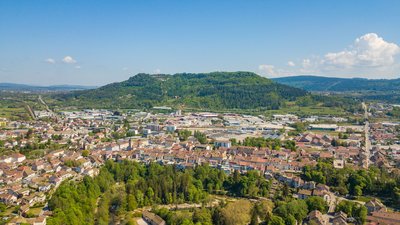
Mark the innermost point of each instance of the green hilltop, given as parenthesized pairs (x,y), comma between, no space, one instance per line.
(216,90)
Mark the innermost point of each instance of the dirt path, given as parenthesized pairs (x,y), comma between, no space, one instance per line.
(97,205)
(213,203)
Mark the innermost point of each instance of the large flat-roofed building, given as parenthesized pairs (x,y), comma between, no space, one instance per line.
(325,127)
(222,143)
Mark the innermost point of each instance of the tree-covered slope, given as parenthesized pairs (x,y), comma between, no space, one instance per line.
(217,90)
(317,83)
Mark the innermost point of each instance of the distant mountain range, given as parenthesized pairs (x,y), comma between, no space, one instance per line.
(332,84)
(217,90)
(34,88)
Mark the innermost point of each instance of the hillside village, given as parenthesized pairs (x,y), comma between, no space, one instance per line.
(39,155)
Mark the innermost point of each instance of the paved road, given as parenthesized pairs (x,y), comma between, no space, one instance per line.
(45,105)
(367,148)
(53,114)
(31,113)
(336,200)
(365,110)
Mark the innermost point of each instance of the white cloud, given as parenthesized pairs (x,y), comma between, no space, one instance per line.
(369,56)
(272,71)
(50,60)
(157,71)
(78,67)
(69,60)
(267,69)
(369,50)
(306,63)
(125,68)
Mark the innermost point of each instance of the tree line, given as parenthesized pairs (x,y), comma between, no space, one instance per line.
(125,186)
(377,182)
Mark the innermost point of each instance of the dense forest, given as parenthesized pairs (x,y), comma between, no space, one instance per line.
(217,90)
(125,186)
(261,142)
(122,187)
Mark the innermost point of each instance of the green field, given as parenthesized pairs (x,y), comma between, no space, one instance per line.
(18,113)
(14,106)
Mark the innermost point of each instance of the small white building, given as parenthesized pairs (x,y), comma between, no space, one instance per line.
(146,131)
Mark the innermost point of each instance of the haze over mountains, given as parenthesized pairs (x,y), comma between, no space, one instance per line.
(306,82)
(334,84)
(36,88)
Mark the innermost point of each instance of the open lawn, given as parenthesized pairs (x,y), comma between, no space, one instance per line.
(363,198)
(19,113)
(35,211)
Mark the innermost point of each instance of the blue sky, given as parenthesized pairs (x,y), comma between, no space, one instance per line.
(98,42)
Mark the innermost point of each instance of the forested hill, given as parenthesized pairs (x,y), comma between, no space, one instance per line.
(318,83)
(217,90)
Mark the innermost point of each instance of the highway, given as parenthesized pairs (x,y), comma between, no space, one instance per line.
(47,107)
(44,103)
